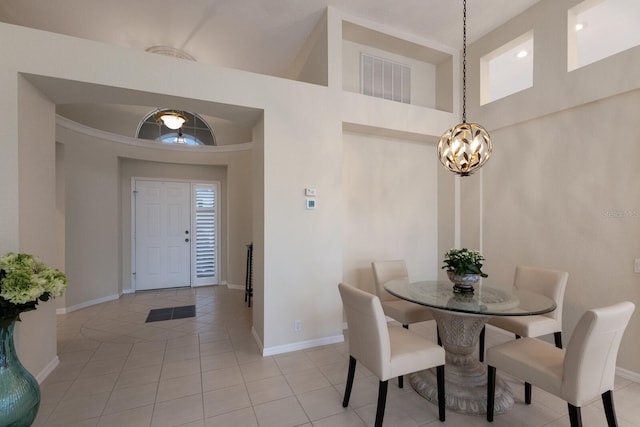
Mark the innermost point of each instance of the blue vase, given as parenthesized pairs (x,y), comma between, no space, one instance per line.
(19,390)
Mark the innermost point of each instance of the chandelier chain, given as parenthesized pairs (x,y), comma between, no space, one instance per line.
(464,61)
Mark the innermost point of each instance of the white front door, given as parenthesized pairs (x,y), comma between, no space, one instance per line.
(162,234)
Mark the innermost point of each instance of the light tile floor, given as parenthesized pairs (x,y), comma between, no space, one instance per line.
(117,370)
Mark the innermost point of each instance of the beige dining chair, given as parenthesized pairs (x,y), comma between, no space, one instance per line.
(550,283)
(578,375)
(386,351)
(403,311)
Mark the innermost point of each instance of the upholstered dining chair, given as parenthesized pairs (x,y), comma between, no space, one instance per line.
(578,375)
(550,283)
(401,310)
(386,351)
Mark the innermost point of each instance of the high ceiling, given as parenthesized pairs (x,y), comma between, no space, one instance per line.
(261,36)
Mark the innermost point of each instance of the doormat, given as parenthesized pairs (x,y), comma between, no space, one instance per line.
(170,313)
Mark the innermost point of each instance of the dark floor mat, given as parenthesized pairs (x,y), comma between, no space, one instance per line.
(159,314)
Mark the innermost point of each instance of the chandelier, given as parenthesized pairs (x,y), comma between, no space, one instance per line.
(464,148)
(171,119)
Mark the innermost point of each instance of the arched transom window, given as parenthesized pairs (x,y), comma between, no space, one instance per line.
(194,131)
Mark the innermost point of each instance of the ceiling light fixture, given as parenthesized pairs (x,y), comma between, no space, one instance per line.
(171,119)
(467,146)
(522,54)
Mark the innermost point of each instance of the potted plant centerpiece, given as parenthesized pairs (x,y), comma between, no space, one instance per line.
(464,268)
(24,281)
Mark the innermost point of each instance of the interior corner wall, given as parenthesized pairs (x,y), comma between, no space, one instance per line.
(36,335)
(571,205)
(560,188)
(92,219)
(258,231)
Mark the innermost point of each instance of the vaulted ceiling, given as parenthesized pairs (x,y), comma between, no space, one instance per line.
(262,36)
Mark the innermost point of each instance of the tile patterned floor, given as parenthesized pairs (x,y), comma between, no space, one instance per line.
(117,370)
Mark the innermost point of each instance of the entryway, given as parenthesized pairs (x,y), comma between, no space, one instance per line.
(175,233)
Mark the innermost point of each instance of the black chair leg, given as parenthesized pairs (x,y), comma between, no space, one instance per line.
(609,410)
(527,393)
(518,336)
(405,326)
(575,417)
(481,345)
(557,336)
(441,397)
(491,390)
(382,401)
(350,375)
(438,336)
(401,381)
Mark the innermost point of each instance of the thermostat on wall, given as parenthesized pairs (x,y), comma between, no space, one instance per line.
(311,203)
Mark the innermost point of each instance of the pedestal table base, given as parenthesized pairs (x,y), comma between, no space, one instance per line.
(465,376)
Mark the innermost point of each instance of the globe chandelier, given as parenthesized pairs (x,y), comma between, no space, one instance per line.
(464,148)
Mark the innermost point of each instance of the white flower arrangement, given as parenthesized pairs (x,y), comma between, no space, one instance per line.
(25,280)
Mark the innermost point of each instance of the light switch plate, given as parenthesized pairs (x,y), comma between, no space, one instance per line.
(310,192)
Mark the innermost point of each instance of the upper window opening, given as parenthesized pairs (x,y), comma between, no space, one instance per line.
(597,29)
(507,70)
(195,131)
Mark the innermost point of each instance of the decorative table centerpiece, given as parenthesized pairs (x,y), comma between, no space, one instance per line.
(464,268)
(24,281)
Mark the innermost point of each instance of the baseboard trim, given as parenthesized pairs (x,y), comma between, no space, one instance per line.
(236,287)
(86,304)
(44,373)
(301,345)
(629,375)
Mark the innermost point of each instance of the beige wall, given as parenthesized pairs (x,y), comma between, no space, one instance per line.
(390,206)
(423,75)
(300,142)
(560,188)
(98,171)
(37,219)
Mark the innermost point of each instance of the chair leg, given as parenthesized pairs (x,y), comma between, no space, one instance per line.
(575,417)
(527,393)
(400,378)
(438,336)
(518,336)
(441,397)
(382,401)
(609,410)
(481,345)
(491,390)
(557,336)
(350,375)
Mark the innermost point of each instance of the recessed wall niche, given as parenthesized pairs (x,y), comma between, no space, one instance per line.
(430,71)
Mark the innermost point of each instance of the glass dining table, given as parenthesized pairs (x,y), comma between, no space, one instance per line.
(460,318)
